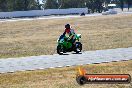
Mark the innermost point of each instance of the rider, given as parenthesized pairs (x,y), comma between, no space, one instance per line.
(70,33)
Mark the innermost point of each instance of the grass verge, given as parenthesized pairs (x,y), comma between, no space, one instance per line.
(38,37)
(64,77)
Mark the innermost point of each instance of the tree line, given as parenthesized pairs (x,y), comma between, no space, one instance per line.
(93,5)
(19,5)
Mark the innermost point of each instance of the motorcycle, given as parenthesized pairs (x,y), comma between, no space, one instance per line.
(65,45)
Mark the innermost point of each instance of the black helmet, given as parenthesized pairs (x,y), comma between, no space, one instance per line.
(67,26)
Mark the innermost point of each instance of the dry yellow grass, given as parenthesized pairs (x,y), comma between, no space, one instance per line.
(38,37)
(64,77)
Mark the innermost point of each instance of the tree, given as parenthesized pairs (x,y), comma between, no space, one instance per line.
(26,4)
(121,4)
(91,5)
(19,5)
(95,5)
(33,5)
(61,4)
(50,4)
(38,4)
(129,2)
(3,5)
(98,5)
(10,5)
(72,3)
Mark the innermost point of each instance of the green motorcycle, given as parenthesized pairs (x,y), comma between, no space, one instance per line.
(65,45)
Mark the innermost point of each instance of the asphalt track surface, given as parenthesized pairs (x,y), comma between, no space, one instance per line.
(55,17)
(46,17)
(56,61)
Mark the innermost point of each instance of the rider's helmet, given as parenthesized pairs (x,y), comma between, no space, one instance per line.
(67,26)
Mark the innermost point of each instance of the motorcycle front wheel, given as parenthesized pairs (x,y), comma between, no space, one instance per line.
(78,47)
(60,50)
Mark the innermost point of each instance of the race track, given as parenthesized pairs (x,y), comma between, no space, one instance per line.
(71,59)
(55,17)
(47,17)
